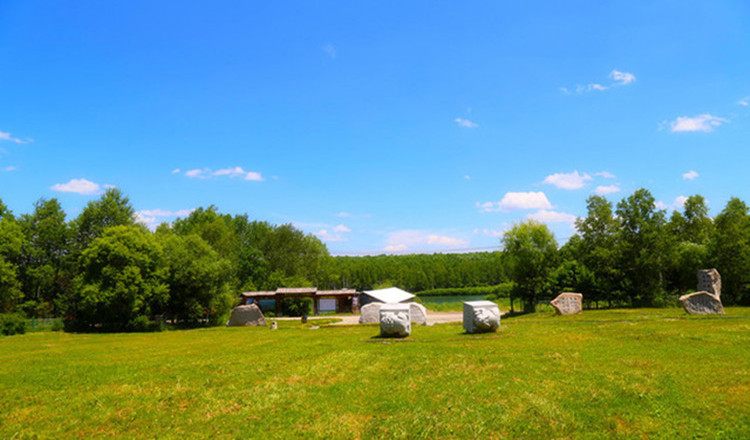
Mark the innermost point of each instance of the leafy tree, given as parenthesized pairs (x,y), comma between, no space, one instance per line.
(730,251)
(123,279)
(11,243)
(642,248)
(112,209)
(687,238)
(531,250)
(198,279)
(46,276)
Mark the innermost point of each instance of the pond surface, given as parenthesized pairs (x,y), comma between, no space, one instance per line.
(449,299)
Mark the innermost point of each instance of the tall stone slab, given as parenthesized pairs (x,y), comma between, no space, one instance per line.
(246,315)
(702,303)
(395,320)
(418,313)
(370,313)
(709,280)
(481,316)
(568,303)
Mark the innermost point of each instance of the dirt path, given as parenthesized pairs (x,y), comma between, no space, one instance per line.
(432,318)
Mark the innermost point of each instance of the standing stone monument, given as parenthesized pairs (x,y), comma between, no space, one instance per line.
(702,303)
(370,313)
(709,280)
(568,303)
(481,316)
(249,314)
(395,320)
(418,313)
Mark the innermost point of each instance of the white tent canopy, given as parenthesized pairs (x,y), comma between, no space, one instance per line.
(390,295)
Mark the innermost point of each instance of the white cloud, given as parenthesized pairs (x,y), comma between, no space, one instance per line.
(78,186)
(324,235)
(546,216)
(605,174)
(176,171)
(150,222)
(604,190)
(595,86)
(415,239)
(517,200)
(744,101)
(330,50)
(152,217)
(677,203)
(622,78)
(572,180)
(690,175)
(344,214)
(565,90)
(9,169)
(704,122)
(7,137)
(467,177)
(231,172)
(491,232)
(465,123)
(341,228)
(660,205)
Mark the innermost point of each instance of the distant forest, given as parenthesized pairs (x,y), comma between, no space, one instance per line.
(104,268)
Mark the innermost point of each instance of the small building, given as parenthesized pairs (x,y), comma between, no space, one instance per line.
(337,301)
(391,295)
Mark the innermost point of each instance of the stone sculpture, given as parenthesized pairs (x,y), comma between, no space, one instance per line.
(244,315)
(702,303)
(709,280)
(568,303)
(418,313)
(274,325)
(370,313)
(395,320)
(481,316)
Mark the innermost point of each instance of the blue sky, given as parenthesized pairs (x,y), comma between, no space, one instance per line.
(379,126)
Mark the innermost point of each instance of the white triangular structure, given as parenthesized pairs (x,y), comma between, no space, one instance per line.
(390,295)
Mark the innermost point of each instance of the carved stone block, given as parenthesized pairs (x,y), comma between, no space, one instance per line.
(709,280)
(568,303)
(702,303)
(246,315)
(481,316)
(395,320)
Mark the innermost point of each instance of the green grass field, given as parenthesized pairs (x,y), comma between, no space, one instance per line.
(604,374)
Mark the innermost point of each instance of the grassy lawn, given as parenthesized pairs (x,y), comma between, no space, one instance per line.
(623,373)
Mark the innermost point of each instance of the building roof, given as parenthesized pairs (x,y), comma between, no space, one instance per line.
(336,292)
(390,295)
(258,293)
(297,290)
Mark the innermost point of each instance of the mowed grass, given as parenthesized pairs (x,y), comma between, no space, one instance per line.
(602,374)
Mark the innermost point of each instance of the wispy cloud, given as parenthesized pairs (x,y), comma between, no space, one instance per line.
(465,123)
(605,174)
(10,168)
(415,240)
(231,172)
(744,101)
(330,50)
(547,216)
(568,181)
(622,78)
(516,201)
(609,189)
(704,123)
(153,217)
(176,171)
(344,214)
(326,236)
(690,175)
(618,77)
(7,137)
(677,203)
(79,186)
(341,228)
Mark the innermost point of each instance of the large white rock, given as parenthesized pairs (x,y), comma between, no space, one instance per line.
(418,313)
(370,314)
(395,320)
(709,280)
(246,315)
(568,303)
(481,316)
(702,303)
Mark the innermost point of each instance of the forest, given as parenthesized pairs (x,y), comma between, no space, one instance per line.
(104,270)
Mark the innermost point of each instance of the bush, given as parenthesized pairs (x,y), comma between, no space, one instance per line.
(12,324)
(297,306)
(143,324)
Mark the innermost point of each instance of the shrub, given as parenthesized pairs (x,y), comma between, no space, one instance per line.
(12,324)
(297,306)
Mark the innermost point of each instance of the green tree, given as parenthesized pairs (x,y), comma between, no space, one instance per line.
(531,252)
(642,249)
(198,280)
(730,251)
(11,243)
(122,280)
(112,209)
(45,273)
(688,236)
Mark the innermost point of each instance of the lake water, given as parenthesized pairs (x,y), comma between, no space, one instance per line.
(449,299)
